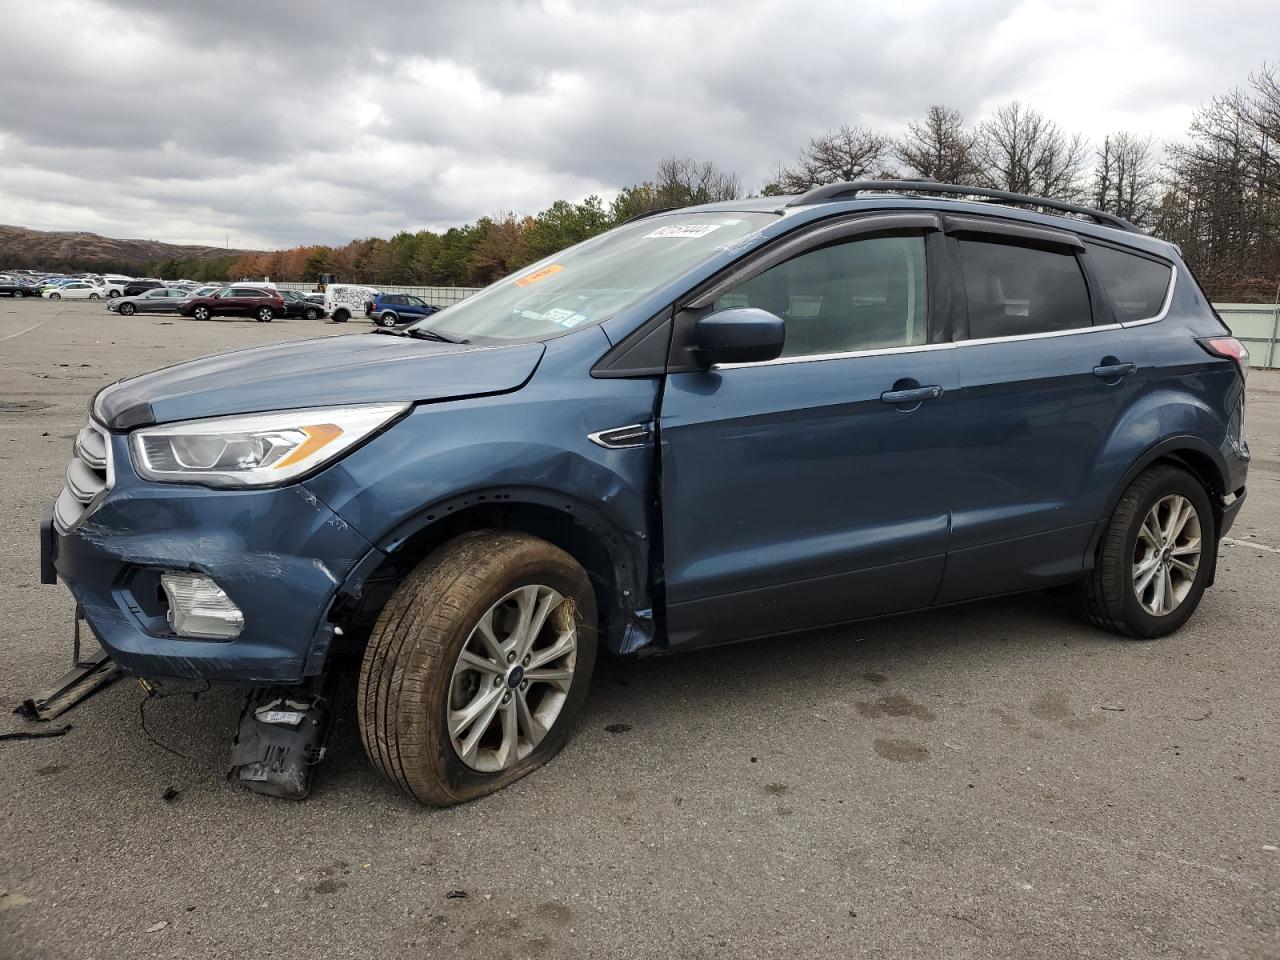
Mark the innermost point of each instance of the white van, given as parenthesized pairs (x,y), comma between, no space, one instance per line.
(342,301)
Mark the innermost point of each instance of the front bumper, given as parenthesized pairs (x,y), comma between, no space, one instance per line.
(279,554)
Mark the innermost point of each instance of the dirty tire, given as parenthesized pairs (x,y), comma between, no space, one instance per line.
(403,696)
(1108,596)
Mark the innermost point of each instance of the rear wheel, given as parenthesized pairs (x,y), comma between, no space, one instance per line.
(201,313)
(1156,556)
(388,319)
(94,296)
(112,294)
(127,309)
(55,296)
(341,316)
(478,667)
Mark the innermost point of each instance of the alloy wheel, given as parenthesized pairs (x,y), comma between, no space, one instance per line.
(1166,557)
(512,678)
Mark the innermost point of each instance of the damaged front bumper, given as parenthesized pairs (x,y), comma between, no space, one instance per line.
(279,555)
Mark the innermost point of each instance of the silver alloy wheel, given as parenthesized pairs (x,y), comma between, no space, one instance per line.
(512,678)
(1166,557)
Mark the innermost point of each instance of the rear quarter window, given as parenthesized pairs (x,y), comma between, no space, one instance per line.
(1135,285)
(1013,290)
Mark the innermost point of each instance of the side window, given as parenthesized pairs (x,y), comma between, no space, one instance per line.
(416,301)
(1013,290)
(861,295)
(1136,286)
(395,299)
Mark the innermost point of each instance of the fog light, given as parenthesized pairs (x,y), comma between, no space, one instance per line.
(199,608)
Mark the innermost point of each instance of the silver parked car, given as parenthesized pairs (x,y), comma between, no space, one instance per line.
(159,300)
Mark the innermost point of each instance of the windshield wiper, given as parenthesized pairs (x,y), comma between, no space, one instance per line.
(422,333)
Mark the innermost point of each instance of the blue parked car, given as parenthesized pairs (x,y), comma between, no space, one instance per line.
(390,309)
(742,419)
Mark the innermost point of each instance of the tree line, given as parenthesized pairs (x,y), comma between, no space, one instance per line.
(1215,192)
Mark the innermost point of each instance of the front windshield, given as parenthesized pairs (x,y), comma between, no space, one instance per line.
(592,281)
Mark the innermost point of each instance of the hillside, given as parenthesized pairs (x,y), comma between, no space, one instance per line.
(67,250)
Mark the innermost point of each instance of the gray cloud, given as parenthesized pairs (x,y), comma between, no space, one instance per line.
(292,122)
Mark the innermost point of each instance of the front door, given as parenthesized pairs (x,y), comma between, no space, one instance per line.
(814,488)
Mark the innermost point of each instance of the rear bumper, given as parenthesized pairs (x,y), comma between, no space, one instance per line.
(279,555)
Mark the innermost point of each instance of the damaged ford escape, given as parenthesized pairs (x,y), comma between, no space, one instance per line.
(730,421)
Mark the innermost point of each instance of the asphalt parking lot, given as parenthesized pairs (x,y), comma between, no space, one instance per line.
(997,780)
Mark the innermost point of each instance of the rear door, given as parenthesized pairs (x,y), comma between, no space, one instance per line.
(1045,373)
(814,488)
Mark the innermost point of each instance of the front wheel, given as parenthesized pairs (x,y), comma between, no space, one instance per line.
(55,296)
(265,314)
(201,313)
(127,309)
(94,296)
(477,667)
(311,314)
(1156,557)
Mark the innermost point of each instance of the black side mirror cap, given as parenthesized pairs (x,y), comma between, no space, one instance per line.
(739,335)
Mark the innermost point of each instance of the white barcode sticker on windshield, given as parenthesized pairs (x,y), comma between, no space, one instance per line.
(684,230)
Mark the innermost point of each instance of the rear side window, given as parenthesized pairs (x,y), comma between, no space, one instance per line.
(1135,285)
(1013,291)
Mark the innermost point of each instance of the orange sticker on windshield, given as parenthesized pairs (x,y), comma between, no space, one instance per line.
(539,275)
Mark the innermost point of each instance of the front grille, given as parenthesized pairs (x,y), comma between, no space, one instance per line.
(88,475)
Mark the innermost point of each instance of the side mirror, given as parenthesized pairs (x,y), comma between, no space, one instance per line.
(739,335)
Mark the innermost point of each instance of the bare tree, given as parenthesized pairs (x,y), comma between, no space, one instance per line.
(1022,150)
(939,147)
(849,153)
(1125,178)
(683,181)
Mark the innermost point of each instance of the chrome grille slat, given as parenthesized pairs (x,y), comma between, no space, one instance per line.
(88,475)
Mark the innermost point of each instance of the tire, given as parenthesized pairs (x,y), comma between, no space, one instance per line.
(127,309)
(388,319)
(412,678)
(201,313)
(265,314)
(1129,551)
(112,294)
(341,316)
(311,314)
(94,296)
(55,296)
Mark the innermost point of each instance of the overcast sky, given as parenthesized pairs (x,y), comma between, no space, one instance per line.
(281,122)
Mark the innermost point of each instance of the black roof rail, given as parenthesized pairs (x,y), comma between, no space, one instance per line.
(849,190)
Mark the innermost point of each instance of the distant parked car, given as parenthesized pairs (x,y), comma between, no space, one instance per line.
(296,305)
(344,300)
(389,309)
(263,305)
(75,290)
(135,287)
(160,300)
(207,290)
(114,287)
(16,288)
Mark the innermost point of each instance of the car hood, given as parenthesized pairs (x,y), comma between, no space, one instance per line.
(324,372)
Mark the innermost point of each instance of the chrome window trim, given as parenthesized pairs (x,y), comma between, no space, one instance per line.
(818,357)
(1046,335)
(1164,310)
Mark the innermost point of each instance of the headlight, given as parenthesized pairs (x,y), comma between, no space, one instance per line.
(255,450)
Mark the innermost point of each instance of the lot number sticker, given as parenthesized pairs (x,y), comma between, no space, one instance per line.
(539,275)
(684,230)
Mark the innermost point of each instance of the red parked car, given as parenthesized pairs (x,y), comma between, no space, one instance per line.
(262,304)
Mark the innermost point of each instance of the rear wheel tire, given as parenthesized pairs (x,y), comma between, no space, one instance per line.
(477,667)
(1156,556)
(341,316)
(201,313)
(55,296)
(94,296)
(388,319)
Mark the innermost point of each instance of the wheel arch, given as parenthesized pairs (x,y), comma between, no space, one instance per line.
(1189,452)
(610,557)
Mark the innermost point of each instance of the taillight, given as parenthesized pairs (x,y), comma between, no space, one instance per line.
(1229,348)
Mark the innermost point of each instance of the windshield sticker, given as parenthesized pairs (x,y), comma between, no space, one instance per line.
(537,275)
(563,318)
(683,230)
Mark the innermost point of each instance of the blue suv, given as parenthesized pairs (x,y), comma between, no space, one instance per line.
(390,309)
(728,421)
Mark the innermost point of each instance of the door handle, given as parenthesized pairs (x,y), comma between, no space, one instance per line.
(1114,371)
(914,395)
